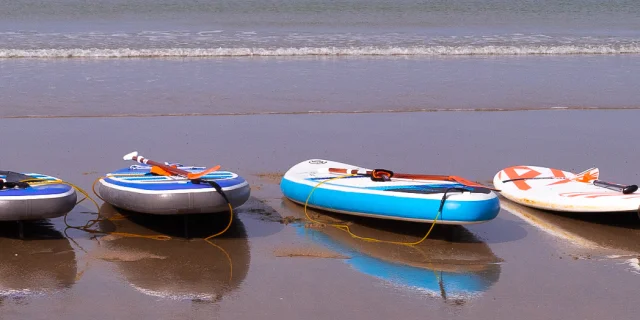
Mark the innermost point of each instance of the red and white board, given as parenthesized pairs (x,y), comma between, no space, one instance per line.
(558,190)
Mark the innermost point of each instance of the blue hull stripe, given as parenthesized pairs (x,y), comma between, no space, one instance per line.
(392,206)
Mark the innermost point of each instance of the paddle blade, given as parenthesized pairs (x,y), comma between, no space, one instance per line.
(588,176)
(159,171)
(469,183)
(192,176)
(129,156)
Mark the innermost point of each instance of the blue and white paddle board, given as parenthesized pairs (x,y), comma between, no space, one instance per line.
(38,201)
(397,199)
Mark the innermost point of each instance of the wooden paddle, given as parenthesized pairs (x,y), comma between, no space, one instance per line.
(163,168)
(385,175)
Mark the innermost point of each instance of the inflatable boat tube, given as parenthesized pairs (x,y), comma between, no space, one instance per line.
(33,200)
(137,189)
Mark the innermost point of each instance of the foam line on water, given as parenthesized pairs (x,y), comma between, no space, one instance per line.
(633,48)
(634,263)
(303,112)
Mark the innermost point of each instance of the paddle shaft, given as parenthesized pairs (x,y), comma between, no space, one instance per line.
(415,176)
(143,160)
(395,175)
(598,183)
(616,187)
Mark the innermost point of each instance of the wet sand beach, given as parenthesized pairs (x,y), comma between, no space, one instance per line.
(272,264)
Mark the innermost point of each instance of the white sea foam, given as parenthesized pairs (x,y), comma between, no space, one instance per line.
(325,51)
(177,296)
(634,264)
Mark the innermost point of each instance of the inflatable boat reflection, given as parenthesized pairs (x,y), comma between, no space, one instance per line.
(42,262)
(178,268)
(452,263)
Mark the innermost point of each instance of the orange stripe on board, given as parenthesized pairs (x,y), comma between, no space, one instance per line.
(521,184)
(558,173)
(593,195)
(559,182)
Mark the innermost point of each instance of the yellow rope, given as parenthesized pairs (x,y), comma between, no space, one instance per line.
(227,255)
(86,227)
(90,223)
(80,190)
(160,237)
(228,225)
(93,188)
(346,228)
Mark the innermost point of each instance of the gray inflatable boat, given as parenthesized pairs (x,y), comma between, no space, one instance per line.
(33,196)
(136,189)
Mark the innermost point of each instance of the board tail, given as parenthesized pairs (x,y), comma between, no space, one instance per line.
(588,175)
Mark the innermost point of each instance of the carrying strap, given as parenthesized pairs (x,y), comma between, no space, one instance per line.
(14,180)
(11,176)
(215,185)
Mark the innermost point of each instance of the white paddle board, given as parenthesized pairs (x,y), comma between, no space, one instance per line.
(558,190)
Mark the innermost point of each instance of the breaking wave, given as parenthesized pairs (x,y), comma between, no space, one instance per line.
(488,50)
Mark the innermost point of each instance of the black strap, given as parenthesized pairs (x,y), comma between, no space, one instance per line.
(12,176)
(215,185)
(14,180)
(444,196)
(11,185)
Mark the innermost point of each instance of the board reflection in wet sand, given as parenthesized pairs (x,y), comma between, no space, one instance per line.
(40,262)
(452,263)
(608,235)
(181,268)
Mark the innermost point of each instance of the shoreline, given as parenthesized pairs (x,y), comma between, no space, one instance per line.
(328,112)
